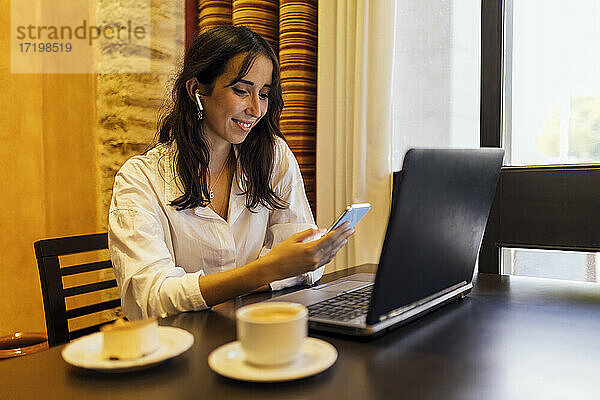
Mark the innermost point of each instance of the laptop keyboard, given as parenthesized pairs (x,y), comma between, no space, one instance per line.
(344,307)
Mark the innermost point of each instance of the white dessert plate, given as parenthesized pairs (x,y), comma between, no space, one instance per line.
(315,356)
(85,352)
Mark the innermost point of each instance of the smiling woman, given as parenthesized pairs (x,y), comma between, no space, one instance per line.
(242,102)
(217,208)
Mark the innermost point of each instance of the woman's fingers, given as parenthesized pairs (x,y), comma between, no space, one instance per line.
(299,253)
(301,236)
(335,250)
(336,234)
(327,256)
(328,246)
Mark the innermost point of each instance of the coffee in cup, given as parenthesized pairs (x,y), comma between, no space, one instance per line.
(272,333)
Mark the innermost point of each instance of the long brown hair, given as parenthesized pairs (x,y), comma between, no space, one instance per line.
(205,60)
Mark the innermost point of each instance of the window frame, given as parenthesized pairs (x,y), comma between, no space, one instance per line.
(537,207)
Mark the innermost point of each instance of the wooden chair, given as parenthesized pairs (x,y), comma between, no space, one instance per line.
(76,295)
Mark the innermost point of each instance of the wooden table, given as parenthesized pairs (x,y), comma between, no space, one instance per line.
(511,338)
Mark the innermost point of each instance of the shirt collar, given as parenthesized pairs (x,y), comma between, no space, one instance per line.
(173,186)
(237,201)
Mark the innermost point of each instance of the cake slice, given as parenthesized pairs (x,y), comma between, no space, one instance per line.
(125,340)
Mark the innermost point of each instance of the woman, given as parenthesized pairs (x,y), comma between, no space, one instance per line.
(217,207)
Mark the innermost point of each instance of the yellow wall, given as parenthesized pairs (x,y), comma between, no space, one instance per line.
(47,175)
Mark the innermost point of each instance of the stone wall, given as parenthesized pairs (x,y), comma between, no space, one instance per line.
(128,104)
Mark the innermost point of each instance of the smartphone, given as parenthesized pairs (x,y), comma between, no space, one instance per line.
(353,213)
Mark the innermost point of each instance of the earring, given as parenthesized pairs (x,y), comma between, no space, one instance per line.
(200,108)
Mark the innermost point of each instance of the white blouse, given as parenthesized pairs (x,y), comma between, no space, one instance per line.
(158,252)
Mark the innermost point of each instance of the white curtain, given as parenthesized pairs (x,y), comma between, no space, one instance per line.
(354,119)
(392,74)
(436,75)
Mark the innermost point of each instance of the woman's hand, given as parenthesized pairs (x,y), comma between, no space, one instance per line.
(291,257)
(294,256)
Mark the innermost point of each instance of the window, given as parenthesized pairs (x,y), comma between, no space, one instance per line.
(541,102)
(567,265)
(551,82)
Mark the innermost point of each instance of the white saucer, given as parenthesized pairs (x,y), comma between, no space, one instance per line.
(315,356)
(85,352)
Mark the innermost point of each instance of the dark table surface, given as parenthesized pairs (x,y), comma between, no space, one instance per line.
(511,338)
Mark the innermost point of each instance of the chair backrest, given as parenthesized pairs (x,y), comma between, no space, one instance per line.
(76,295)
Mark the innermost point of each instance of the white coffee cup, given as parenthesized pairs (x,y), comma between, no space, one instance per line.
(272,333)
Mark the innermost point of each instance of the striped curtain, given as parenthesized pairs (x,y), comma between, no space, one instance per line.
(290,26)
(213,13)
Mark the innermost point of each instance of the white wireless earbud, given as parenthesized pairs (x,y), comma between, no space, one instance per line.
(199,102)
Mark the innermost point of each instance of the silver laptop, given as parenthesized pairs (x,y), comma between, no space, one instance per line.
(439,212)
